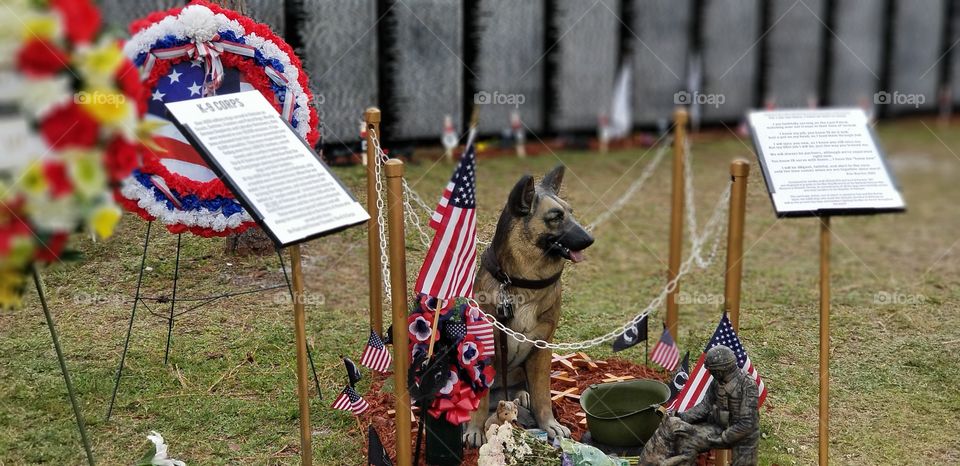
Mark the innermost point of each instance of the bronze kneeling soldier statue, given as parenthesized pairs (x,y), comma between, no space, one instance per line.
(727,417)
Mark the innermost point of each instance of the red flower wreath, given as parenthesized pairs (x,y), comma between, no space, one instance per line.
(250,71)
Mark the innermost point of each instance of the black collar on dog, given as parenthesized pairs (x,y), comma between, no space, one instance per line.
(489,261)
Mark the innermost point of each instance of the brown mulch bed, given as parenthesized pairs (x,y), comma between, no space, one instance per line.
(565,409)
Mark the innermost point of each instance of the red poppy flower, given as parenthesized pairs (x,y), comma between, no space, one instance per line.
(420,327)
(469,351)
(56,175)
(41,58)
(69,126)
(82,19)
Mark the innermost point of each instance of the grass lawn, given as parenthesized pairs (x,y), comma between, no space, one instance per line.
(228,394)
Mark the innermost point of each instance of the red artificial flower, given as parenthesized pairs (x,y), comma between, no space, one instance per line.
(469,351)
(121,159)
(128,77)
(420,327)
(81,17)
(57,177)
(12,225)
(69,126)
(41,58)
(51,248)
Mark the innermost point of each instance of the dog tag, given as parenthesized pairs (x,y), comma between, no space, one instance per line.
(505,310)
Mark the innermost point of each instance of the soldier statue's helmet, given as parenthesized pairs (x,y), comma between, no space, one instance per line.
(720,359)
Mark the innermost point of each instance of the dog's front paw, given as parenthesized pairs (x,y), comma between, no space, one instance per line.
(523,397)
(474,437)
(555,429)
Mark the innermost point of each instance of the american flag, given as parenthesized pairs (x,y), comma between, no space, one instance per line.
(376,356)
(185,81)
(448,270)
(481,330)
(665,352)
(350,400)
(696,387)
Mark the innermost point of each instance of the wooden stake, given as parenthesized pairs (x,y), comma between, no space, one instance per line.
(739,171)
(398,285)
(300,328)
(433,329)
(372,119)
(676,218)
(824,427)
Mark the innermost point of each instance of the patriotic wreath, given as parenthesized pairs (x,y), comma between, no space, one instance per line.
(192,52)
(463,344)
(77,132)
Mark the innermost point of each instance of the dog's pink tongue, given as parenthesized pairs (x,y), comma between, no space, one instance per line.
(576,256)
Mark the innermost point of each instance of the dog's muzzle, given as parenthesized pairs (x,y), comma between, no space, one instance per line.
(571,244)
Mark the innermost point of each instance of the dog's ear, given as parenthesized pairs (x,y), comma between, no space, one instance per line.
(552,181)
(521,197)
(502,403)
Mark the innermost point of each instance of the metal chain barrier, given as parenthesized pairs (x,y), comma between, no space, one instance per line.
(711,230)
(381,217)
(622,201)
(689,204)
(411,214)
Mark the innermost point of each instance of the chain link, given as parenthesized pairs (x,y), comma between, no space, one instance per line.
(622,201)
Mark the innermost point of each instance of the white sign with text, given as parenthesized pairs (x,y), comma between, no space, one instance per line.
(276,175)
(823,162)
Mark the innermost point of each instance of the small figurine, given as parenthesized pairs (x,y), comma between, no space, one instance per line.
(506,414)
(727,417)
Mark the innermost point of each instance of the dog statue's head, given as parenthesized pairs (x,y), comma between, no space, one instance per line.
(539,227)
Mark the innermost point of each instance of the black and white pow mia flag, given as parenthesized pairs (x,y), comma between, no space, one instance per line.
(680,377)
(632,336)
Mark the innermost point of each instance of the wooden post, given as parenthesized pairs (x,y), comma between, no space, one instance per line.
(739,171)
(372,119)
(300,327)
(824,426)
(398,286)
(676,218)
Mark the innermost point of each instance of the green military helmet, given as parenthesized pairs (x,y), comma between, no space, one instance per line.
(720,359)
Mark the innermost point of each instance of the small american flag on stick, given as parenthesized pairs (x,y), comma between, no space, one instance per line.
(665,352)
(482,330)
(376,356)
(700,378)
(350,400)
(449,268)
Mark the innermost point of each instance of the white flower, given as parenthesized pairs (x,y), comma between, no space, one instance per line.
(39,96)
(160,457)
(53,215)
(199,23)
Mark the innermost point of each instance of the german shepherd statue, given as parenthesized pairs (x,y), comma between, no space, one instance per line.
(535,237)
